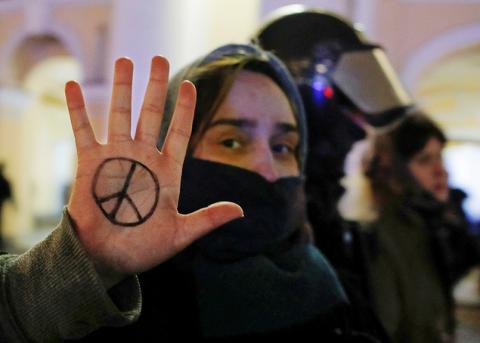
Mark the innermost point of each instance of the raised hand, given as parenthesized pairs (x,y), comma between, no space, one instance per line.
(125,195)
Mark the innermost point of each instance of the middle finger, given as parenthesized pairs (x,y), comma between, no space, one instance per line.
(121,103)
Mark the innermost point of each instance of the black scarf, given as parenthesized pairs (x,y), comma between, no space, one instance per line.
(258,273)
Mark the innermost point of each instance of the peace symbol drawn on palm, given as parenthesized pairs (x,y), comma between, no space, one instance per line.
(130,178)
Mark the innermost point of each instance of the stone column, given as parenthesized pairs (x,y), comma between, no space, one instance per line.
(141,29)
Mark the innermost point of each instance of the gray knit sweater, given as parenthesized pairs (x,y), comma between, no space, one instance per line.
(52,292)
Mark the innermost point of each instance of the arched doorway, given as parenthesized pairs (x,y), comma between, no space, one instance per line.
(36,143)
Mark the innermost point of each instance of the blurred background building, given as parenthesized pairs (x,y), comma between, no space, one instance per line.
(433,44)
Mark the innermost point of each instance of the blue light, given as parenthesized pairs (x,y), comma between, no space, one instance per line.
(318,84)
(321,90)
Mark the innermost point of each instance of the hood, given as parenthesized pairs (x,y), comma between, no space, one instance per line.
(280,75)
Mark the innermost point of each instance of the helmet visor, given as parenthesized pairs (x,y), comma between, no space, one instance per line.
(367,78)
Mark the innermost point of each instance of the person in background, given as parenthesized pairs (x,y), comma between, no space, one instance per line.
(259,276)
(397,189)
(347,85)
(5,194)
(121,219)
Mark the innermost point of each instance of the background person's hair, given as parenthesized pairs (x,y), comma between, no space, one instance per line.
(387,167)
(411,135)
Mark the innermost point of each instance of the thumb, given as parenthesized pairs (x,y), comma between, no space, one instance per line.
(204,220)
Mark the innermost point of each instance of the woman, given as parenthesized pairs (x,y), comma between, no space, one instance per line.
(397,189)
(259,276)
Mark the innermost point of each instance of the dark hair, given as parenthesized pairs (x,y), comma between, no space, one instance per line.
(387,167)
(411,135)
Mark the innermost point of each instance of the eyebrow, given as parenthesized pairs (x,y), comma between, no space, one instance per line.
(248,123)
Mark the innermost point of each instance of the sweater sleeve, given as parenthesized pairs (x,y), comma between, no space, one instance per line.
(53,292)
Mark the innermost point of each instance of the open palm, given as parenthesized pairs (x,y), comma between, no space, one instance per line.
(125,195)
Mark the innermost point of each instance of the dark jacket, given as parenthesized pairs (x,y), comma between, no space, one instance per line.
(421,248)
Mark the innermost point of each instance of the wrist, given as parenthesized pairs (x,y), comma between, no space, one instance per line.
(108,277)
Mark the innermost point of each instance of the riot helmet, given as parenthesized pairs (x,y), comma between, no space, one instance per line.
(333,63)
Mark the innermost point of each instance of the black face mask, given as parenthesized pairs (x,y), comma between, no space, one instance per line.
(274,211)
(257,273)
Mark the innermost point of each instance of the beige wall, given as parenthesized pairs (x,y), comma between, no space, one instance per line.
(10,27)
(10,20)
(89,24)
(403,27)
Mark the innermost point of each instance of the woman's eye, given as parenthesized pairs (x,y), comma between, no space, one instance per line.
(283,149)
(231,143)
(424,159)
